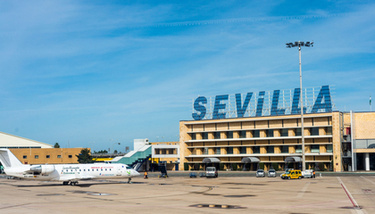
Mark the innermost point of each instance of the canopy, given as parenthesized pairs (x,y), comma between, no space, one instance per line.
(211,160)
(250,160)
(293,159)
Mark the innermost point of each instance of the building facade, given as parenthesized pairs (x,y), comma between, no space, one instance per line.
(270,136)
(47,155)
(269,139)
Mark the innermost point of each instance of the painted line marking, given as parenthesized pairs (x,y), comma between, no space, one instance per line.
(368,180)
(352,200)
(303,190)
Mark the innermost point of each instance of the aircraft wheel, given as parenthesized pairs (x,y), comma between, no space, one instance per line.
(65,183)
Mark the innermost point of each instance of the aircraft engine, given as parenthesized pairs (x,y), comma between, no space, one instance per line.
(43,169)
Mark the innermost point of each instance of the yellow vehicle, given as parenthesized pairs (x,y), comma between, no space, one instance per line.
(292,174)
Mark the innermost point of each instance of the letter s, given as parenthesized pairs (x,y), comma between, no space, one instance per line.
(200,108)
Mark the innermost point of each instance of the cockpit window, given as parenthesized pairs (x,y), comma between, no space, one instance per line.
(128,167)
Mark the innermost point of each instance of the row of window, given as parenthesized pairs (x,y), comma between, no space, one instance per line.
(269,133)
(165,151)
(84,170)
(269,149)
(47,156)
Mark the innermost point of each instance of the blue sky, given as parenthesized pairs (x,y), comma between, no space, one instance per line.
(93,73)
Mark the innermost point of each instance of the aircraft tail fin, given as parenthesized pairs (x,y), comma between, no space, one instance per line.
(8,159)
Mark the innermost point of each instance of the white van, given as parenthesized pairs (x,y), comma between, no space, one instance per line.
(211,172)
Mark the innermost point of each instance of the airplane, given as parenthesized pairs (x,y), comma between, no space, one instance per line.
(67,173)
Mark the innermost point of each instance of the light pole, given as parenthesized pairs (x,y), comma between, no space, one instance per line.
(299,44)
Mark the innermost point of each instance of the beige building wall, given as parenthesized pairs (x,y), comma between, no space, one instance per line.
(47,156)
(322,122)
(364,125)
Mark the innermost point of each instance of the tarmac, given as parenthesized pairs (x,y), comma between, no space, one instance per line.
(229,193)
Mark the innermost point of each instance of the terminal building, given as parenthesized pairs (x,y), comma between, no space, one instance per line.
(263,130)
(34,152)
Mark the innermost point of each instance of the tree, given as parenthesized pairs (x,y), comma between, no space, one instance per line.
(85,156)
(56,145)
(101,152)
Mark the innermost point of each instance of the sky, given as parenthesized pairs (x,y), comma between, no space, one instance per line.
(97,73)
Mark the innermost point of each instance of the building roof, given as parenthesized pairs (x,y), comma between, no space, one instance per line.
(12,141)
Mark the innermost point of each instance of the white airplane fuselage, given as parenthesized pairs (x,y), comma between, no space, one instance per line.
(70,172)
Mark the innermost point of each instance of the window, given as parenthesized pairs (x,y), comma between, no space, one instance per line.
(285,149)
(284,133)
(205,151)
(58,156)
(256,149)
(270,133)
(193,136)
(314,131)
(298,132)
(205,135)
(270,149)
(243,150)
(36,156)
(329,148)
(314,149)
(230,150)
(298,149)
(329,131)
(24,157)
(230,134)
(70,156)
(242,134)
(217,151)
(48,156)
(217,135)
(256,133)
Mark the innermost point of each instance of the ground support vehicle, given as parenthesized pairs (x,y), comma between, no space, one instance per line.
(211,172)
(292,174)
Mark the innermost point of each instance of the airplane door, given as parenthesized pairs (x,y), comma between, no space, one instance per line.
(119,172)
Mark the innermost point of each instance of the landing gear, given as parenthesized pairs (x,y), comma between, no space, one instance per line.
(130,180)
(73,183)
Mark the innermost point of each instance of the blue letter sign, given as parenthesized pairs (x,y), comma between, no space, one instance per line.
(275,104)
(200,108)
(265,104)
(242,109)
(219,105)
(327,105)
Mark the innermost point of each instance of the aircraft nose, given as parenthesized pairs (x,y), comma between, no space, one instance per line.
(136,173)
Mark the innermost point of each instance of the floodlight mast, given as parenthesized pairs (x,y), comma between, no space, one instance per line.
(299,44)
